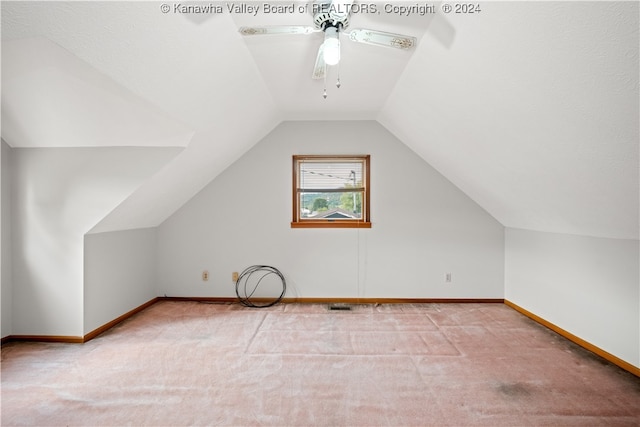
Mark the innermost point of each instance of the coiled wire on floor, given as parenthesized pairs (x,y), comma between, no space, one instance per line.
(249,281)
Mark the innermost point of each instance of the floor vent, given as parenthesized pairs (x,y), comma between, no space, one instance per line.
(340,307)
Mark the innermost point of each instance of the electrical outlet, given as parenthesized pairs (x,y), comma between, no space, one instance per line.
(447,277)
(205,275)
(234,276)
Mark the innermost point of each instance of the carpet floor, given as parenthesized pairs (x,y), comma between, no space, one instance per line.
(197,364)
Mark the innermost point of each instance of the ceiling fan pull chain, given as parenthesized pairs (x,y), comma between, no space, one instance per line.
(338,84)
(324,94)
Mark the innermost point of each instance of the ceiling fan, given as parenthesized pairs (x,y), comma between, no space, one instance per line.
(331,17)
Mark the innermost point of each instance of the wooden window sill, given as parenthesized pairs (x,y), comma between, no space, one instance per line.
(331,224)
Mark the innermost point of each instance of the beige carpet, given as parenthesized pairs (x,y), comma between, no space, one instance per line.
(188,363)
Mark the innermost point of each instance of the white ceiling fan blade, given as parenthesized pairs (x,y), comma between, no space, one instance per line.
(277,29)
(380,38)
(320,68)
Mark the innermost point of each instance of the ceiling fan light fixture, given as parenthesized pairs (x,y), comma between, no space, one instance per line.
(331,46)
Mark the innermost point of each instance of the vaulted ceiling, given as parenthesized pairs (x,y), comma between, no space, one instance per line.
(531,108)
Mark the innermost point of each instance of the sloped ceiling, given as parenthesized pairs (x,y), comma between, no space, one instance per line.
(534,113)
(73,105)
(531,108)
(199,75)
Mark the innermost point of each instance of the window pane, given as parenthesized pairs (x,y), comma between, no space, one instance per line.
(334,205)
(330,175)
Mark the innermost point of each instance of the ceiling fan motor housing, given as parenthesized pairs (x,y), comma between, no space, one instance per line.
(326,14)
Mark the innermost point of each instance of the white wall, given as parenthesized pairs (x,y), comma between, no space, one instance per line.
(58,194)
(423,226)
(588,286)
(5,238)
(119,274)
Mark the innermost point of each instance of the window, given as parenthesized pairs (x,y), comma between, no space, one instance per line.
(331,192)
